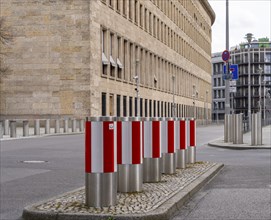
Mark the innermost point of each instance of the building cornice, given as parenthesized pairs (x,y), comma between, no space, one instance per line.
(209,10)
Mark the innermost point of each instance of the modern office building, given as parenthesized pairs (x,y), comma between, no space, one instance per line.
(85,57)
(253,59)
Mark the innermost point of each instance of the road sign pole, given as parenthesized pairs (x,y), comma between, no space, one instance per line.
(227,97)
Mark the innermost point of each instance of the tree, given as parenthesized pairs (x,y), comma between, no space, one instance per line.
(5,40)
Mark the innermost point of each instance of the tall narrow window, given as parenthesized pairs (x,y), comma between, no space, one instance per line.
(112,62)
(154,108)
(141,16)
(125,7)
(150,108)
(136,107)
(162,108)
(105,61)
(119,64)
(158,109)
(124,106)
(103,104)
(141,107)
(130,106)
(118,105)
(146,107)
(136,11)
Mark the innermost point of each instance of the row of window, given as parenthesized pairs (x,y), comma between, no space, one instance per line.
(124,106)
(123,60)
(149,22)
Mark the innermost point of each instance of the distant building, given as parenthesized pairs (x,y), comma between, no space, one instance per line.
(260,65)
(82,57)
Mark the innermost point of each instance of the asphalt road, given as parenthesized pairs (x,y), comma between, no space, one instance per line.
(243,186)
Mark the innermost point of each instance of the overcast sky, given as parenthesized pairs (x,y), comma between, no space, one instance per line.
(245,16)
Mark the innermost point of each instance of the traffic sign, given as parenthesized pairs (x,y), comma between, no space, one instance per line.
(225,55)
(233,71)
(233,89)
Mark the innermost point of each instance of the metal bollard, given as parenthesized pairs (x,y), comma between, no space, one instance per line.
(191,140)
(228,131)
(256,129)
(130,160)
(238,129)
(66,125)
(182,143)
(37,127)
(101,163)
(152,171)
(1,129)
(74,129)
(25,128)
(6,127)
(13,128)
(82,125)
(168,145)
(47,126)
(57,126)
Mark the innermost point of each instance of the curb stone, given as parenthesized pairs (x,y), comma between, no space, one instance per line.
(164,211)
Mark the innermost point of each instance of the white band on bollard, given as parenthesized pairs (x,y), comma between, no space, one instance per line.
(101,147)
(129,141)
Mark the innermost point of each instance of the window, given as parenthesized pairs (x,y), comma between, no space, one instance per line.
(158,108)
(136,107)
(141,107)
(118,105)
(119,64)
(150,108)
(146,107)
(124,106)
(104,58)
(130,106)
(154,108)
(103,104)
(125,7)
(112,62)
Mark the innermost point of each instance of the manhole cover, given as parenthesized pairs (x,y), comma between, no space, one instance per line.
(34,161)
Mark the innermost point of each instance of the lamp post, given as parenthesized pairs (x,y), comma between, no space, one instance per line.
(194,99)
(260,91)
(249,38)
(174,108)
(216,107)
(207,91)
(136,77)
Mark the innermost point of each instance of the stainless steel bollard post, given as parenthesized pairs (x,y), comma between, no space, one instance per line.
(256,130)
(181,143)
(37,127)
(101,163)
(47,126)
(130,160)
(25,128)
(66,125)
(82,125)
(168,145)
(6,127)
(1,129)
(57,126)
(152,171)
(74,127)
(191,131)
(13,128)
(228,131)
(238,129)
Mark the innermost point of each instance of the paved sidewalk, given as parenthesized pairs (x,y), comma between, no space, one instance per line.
(157,201)
(266,140)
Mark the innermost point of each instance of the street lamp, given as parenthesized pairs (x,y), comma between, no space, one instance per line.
(195,92)
(260,90)
(216,107)
(174,108)
(136,78)
(206,106)
(249,38)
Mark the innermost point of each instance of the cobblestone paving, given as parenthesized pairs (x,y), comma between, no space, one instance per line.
(153,195)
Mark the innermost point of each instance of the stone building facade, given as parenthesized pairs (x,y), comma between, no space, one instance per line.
(83,57)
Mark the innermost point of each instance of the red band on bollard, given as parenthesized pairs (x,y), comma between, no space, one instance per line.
(192,133)
(88,147)
(156,139)
(136,142)
(108,139)
(171,137)
(119,141)
(183,135)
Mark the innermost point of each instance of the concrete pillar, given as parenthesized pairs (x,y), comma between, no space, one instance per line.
(66,125)
(1,129)
(37,127)
(12,128)
(25,128)
(47,126)
(6,127)
(57,126)
(74,125)
(82,125)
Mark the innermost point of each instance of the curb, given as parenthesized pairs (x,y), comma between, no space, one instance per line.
(165,211)
(238,147)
